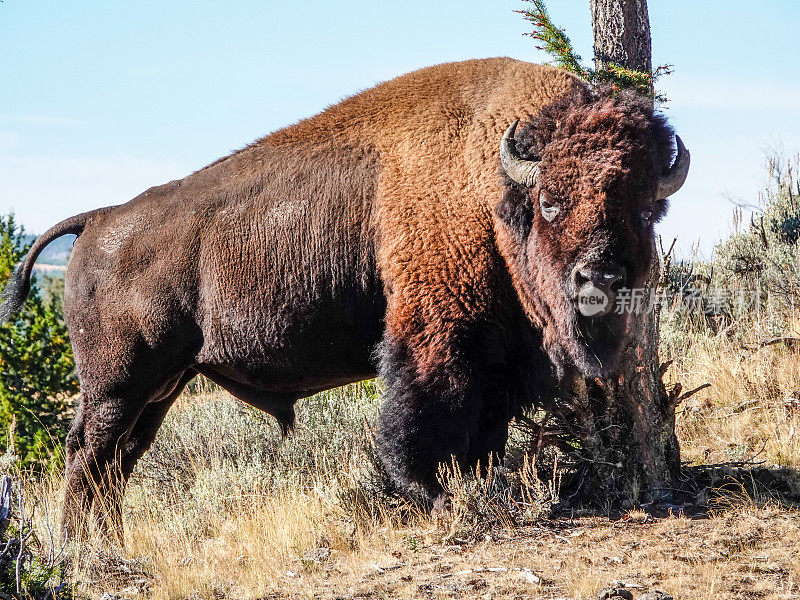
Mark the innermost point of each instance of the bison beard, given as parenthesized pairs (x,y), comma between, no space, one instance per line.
(381,222)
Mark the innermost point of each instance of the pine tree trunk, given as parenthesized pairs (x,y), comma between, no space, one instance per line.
(621,34)
(628,422)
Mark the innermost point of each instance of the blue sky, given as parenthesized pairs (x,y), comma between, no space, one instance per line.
(101,99)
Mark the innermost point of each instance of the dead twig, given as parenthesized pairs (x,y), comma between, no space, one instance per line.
(790,342)
(691,393)
(664,367)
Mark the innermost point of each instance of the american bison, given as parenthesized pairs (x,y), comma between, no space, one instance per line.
(407,231)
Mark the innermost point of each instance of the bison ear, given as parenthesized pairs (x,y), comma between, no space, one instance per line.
(516,211)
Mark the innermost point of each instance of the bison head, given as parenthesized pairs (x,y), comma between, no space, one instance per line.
(586,181)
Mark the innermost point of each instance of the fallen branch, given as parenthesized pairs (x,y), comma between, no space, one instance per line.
(789,341)
(30,569)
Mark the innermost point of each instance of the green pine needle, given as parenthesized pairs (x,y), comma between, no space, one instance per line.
(556,43)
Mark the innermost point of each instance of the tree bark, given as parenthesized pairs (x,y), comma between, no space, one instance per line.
(627,423)
(621,34)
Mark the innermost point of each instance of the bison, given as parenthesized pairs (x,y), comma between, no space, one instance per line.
(414,230)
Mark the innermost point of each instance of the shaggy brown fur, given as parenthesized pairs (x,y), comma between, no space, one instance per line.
(601,156)
(276,271)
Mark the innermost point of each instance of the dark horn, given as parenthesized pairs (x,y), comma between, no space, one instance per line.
(522,171)
(674,178)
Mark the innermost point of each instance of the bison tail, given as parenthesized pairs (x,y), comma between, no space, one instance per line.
(14,294)
(18,285)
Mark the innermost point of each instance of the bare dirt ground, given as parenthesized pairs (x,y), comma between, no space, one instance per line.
(742,552)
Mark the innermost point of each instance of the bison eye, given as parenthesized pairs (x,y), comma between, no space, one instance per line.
(549,210)
(652,214)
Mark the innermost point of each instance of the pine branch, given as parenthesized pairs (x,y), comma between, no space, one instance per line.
(556,43)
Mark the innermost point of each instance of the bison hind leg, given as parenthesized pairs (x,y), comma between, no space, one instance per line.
(147,425)
(108,436)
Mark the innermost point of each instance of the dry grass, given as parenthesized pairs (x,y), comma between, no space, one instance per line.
(297,546)
(222,507)
(750,412)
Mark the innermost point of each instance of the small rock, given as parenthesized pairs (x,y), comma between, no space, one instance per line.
(614,593)
(530,576)
(655,595)
(382,569)
(318,555)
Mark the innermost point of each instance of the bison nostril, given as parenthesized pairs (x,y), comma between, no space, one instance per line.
(582,277)
(608,277)
(614,279)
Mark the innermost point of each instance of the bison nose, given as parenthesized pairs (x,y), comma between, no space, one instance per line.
(595,288)
(609,276)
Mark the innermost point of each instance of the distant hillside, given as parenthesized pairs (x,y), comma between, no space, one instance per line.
(57,252)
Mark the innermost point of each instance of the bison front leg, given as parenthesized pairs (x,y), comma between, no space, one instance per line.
(431,417)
